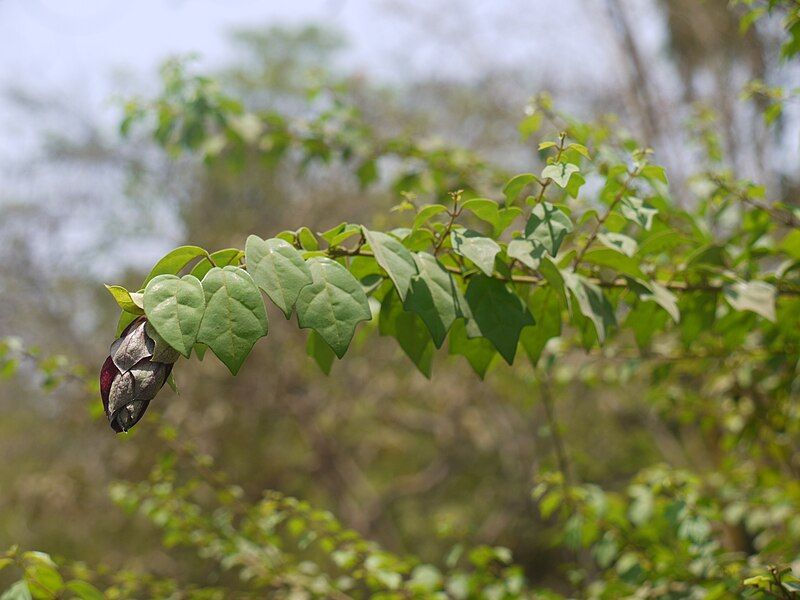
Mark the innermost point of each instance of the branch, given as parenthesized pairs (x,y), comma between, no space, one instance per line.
(601,220)
(619,283)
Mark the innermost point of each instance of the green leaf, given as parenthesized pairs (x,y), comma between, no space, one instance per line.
(606,257)
(235,316)
(634,209)
(644,319)
(172,383)
(483,208)
(546,309)
(394,258)
(580,149)
(528,252)
(333,304)
(277,268)
(592,303)
(44,581)
(220,258)
(652,291)
(174,307)
(307,239)
(548,225)
(515,185)
(698,313)
(434,296)
(84,590)
(478,351)
(791,244)
(655,172)
(755,296)
(476,247)
(529,125)
(426,213)
(560,173)
(127,301)
(499,314)
(341,233)
(174,261)
(605,551)
(17,591)
(575,184)
(619,242)
(554,279)
(409,330)
(318,349)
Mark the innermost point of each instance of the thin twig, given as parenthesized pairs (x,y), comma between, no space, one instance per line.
(619,283)
(601,220)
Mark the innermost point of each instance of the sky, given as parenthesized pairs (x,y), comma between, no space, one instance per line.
(87,50)
(79,44)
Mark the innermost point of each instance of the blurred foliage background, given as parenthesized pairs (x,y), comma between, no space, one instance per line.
(417,465)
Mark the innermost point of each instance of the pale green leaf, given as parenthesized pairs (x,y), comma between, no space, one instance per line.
(548,226)
(528,252)
(515,185)
(394,258)
(619,242)
(612,259)
(220,258)
(84,590)
(755,296)
(560,173)
(483,208)
(426,213)
(277,268)
(17,591)
(634,209)
(127,301)
(174,261)
(592,303)
(235,316)
(174,307)
(476,247)
(333,304)
(652,291)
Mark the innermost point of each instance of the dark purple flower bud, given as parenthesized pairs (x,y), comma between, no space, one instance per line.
(138,367)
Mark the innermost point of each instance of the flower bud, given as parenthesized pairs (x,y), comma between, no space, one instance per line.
(138,366)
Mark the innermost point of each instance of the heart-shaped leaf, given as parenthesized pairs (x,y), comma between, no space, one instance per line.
(476,247)
(174,307)
(333,304)
(548,225)
(435,297)
(498,314)
(560,173)
(235,316)
(278,269)
(395,259)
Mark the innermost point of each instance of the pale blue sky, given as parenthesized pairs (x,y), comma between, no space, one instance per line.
(78,43)
(77,49)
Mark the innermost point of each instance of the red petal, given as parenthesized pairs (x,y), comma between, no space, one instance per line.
(107,374)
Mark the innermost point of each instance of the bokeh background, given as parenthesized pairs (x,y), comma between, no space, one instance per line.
(393,454)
